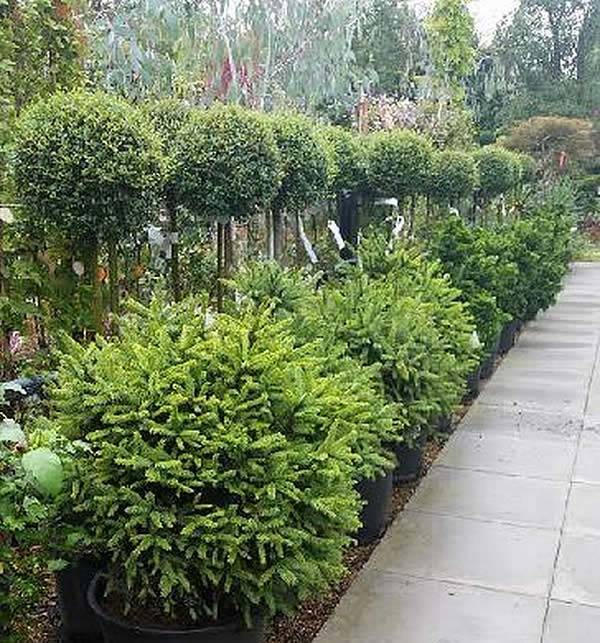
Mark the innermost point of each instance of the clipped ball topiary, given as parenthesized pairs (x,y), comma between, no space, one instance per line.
(453,176)
(305,162)
(497,173)
(348,156)
(168,117)
(228,164)
(87,164)
(528,168)
(218,471)
(399,163)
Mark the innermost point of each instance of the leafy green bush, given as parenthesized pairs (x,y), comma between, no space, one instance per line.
(228,164)
(87,165)
(220,474)
(305,162)
(496,171)
(399,163)
(31,477)
(453,176)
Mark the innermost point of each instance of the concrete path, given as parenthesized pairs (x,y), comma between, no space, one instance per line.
(501,542)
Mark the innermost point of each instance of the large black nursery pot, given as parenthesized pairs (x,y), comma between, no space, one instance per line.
(508,336)
(119,630)
(410,460)
(487,366)
(377,496)
(78,621)
(473,380)
(444,424)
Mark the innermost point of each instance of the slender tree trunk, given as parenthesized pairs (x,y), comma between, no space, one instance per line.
(92,268)
(220,248)
(113,275)
(175,278)
(278,235)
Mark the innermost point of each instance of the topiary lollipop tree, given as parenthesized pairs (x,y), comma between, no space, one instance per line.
(228,165)
(169,116)
(453,177)
(399,165)
(88,166)
(306,171)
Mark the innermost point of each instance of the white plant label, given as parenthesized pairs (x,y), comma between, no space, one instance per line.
(6,215)
(78,268)
(310,251)
(337,236)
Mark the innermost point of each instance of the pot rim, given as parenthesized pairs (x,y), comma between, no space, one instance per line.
(102,614)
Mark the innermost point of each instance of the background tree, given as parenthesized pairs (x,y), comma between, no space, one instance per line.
(452,44)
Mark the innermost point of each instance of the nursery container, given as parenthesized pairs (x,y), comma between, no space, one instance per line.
(377,496)
(410,460)
(473,380)
(118,630)
(78,621)
(444,424)
(508,336)
(487,366)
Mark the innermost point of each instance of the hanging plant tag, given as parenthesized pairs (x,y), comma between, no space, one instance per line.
(6,215)
(78,268)
(310,251)
(335,231)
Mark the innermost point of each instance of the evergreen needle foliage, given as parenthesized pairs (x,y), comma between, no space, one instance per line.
(221,460)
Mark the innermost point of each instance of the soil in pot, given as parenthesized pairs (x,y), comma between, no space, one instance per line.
(78,621)
(132,629)
(377,496)
(410,460)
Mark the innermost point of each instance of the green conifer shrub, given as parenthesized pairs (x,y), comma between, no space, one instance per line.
(220,461)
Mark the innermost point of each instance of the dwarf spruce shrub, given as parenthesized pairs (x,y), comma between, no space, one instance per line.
(221,460)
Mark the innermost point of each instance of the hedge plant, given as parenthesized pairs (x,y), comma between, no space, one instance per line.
(88,166)
(220,459)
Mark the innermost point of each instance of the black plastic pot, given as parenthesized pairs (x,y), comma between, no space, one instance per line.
(409,459)
(78,621)
(118,630)
(508,336)
(487,366)
(473,383)
(444,424)
(377,496)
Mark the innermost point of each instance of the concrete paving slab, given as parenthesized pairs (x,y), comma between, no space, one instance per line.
(492,497)
(518,422)
(572,623)
(400,609)
(518,456)
(576,577)
(587,465)
(490,555)
(583,514)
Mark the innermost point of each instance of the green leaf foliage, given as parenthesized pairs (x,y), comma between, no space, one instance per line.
(349,160)
(87,165)
(399,163)
(228,164)
(221,462)
(453,176)
(497,171)
(305,162)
